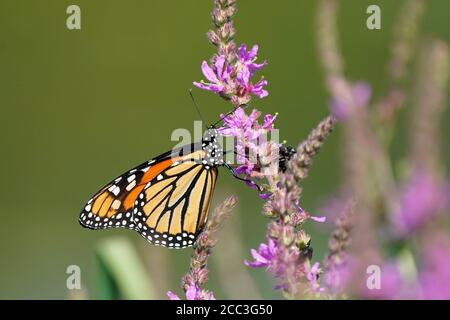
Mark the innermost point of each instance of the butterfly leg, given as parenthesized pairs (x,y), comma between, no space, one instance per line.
(248,181)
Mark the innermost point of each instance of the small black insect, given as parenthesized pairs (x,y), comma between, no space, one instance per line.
(286,154)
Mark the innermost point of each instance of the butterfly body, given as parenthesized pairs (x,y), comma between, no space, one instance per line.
(165,199)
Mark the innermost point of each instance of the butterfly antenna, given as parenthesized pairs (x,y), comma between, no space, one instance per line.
(196,108)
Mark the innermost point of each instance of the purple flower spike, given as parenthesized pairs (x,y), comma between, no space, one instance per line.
(421,199)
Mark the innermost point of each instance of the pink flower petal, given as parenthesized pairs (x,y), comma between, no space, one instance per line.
(209,73)
(209,87)
(253,52)
(172,296)
(318,219)
(220,63)
(242,51)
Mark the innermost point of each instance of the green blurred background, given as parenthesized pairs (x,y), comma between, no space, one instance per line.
(80,107)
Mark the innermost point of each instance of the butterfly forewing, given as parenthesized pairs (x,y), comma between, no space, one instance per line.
(112,206)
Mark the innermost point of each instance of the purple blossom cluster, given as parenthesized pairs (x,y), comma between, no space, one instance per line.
(252,146)
(232,80)
(287,255)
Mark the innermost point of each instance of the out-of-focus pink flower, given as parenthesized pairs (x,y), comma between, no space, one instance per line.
(434,276)
(421,199)
(348,98)
(336,278)
(391,287)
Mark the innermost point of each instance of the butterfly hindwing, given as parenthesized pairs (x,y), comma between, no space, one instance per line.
(172,209)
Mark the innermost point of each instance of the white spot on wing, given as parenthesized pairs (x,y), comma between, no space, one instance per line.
(116,204)
(131,185)
(116,191)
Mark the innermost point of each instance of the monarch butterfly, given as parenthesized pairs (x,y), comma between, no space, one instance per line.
(165,199)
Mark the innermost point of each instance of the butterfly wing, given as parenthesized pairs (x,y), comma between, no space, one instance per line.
(172,209)
(165,199)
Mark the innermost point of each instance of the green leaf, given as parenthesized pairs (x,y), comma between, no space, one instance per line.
(121,273)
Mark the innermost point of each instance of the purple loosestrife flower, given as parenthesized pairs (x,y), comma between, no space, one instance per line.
(249,134)
(287,263)
(218,76)
(264,256)
(422,198)
(347,98)
(248,58)
(233,80)
(282,262)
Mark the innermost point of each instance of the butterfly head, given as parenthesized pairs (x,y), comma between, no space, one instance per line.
(212,148)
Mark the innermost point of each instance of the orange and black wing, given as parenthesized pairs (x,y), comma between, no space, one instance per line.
(172,209)
(165,199)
